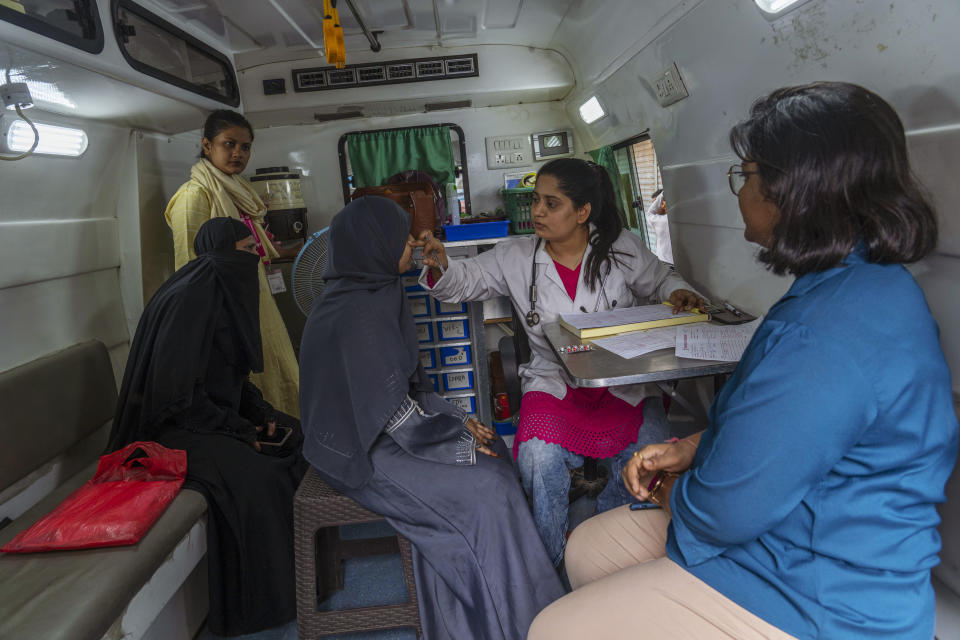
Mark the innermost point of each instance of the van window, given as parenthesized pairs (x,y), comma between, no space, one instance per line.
(157,48)
(639,171)
(73,22)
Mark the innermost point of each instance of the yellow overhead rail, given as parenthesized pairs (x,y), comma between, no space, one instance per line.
(333,36)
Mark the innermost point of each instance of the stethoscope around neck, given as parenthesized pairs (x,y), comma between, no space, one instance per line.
(532,317)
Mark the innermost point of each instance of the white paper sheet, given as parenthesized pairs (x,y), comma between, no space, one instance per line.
(626,315)
(703,341)
(637,343)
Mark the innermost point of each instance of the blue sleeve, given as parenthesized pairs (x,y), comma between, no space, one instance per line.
(797,407)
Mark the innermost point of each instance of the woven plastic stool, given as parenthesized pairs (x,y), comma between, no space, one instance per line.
(318,511)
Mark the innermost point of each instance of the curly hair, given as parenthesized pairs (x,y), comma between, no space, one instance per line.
(832,157)
(587,182)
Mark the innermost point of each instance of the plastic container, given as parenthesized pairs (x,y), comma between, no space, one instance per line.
(518,204)
(453,203)
(475,230)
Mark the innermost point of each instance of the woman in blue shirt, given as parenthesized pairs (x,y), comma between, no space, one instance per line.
(807,508)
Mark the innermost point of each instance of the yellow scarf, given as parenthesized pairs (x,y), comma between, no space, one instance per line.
(230,194)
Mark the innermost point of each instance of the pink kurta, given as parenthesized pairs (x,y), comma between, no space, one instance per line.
(589,422)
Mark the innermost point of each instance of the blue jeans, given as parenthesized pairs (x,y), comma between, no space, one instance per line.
(545,475)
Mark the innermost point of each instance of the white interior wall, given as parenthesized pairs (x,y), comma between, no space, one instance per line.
(60,240)
(728,55)
(312,149)
(163,164)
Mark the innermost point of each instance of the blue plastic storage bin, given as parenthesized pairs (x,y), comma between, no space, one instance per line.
(420,306)
(476,230)
(458,381)
(454,356)
(428,358)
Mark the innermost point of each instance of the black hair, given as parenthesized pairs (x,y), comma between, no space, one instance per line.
(221,120)
(586,182)
(832,157)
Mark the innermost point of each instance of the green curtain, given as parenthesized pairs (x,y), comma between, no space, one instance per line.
(377,155)
(604,157)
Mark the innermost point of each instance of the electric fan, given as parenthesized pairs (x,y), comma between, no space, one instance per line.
(307,281)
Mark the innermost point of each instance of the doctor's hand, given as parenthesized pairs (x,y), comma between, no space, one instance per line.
(434,254)
(685,300)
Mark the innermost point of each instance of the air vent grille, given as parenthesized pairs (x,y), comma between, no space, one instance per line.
(366,75)
(309,80)
(341,77)
(404,71)
(391,72)
(430,69)
(460,66)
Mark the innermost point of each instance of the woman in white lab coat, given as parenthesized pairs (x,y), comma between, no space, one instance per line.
(581,259)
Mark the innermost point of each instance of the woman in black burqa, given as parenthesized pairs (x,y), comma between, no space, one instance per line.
(186,386)
(376,431)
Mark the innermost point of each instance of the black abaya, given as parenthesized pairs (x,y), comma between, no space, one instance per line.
(481,570)
(186,386)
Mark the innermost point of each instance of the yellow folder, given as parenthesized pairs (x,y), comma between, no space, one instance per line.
(614,321)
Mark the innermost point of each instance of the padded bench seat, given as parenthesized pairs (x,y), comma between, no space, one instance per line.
(68,400)
(79,594)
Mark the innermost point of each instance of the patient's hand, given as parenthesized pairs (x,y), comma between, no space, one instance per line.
(483,433)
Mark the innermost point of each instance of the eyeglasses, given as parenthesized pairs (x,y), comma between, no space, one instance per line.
(737,177)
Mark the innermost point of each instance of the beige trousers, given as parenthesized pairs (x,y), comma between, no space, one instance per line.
(626,587)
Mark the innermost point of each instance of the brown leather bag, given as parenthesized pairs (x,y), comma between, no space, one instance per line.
(416,198)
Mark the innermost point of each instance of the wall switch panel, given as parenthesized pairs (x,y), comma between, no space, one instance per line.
(504,152)
(670,87)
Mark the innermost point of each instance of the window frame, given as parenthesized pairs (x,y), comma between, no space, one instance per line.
(38,26)
(233,99)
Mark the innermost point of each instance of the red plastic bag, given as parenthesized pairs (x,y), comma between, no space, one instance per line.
(129,491)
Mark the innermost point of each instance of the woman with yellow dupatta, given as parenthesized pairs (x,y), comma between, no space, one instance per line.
(215,189)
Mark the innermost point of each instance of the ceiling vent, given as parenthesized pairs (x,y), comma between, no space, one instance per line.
(391,72)
(341,114)
(461,66)
(341,77)
(311,81)
(444,106)
(430,69)
(369,75)
(401,71)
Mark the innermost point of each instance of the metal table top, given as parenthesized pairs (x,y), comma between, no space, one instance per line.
(601,368)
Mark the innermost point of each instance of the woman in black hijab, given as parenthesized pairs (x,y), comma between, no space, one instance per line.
(186,386)
(376,431)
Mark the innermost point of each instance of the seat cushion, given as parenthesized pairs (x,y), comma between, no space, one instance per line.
(51,403)
(79,594)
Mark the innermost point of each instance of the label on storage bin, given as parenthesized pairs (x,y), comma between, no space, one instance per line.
(428,358)
(450,308)
(450,356)
(467,403)
(458,380)
(424,332)
(411,282)
(419,306)
(453,330)
(435,381)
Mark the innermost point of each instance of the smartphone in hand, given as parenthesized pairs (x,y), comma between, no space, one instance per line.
(279,437)
(640,506)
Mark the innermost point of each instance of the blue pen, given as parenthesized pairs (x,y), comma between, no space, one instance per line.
(640,506)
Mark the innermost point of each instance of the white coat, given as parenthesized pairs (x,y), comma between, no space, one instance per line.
(505,271)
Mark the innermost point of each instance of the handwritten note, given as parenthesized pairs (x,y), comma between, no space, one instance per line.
(637,343)
(712,342)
